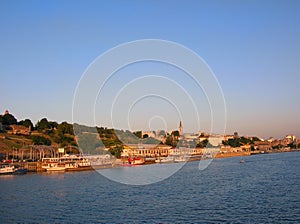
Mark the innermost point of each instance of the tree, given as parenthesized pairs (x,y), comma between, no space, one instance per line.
(65,128)
(169,140)
(234,142)
(52,124)
(244,140)
(292,145)
(254,139)
(117,151)
(40,140)
(145,136)
(8,119)
(202,144)
(176,133)
(138,134)
(42,125)
(27,123)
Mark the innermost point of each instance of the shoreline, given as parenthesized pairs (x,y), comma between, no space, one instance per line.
(36,167)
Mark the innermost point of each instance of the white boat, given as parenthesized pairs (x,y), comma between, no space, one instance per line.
(10,169)
(7,169)
(180,159)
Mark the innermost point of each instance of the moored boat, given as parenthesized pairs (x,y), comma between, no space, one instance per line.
(10,169)
(181,159)
(66,163)
(168,159)
(134,161)
(7,169)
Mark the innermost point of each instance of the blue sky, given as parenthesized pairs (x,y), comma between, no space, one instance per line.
(253,47)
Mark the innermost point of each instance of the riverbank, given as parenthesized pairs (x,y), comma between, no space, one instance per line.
(37,166)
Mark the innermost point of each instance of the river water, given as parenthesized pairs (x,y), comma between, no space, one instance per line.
(264,189)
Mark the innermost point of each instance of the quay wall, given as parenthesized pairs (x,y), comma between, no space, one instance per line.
(232,154)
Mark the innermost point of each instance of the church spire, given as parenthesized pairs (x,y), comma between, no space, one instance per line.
(180,128)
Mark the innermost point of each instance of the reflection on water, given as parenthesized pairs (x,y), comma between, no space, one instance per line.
(141,175)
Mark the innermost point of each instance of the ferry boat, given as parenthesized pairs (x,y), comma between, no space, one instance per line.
(53,164)
(66,163)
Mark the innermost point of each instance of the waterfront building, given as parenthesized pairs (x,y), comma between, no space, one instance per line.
(262,145)
(145,150)
(291,138)
(185,151)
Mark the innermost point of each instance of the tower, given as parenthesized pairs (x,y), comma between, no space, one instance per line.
(180,128)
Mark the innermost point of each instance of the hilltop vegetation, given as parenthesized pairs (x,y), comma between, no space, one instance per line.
(46,132)
(15,134)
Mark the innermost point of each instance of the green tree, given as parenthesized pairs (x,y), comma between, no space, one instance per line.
(202,144)
(27,123)
(53,124)
(138,134)
(8,119)
(116,151)
(176,133)
(169,140)
(40,140)
(244,140)
(145,136)
(292,145)
(235,142)
(65,128)
(254,139)
(42,125)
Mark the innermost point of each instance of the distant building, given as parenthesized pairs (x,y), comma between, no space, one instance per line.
(291,137)
(271,139)
(262,145)
(190,136)
(215,140)
(227,137)
(145,150)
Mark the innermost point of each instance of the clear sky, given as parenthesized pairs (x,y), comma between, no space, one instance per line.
(253,47)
